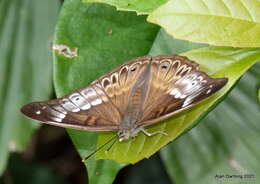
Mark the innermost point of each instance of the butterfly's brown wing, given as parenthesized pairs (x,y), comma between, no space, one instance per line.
(175,85)
(99,106)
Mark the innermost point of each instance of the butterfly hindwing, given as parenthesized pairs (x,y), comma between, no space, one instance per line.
(176,84)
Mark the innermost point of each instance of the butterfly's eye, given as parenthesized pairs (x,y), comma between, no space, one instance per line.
(38,112)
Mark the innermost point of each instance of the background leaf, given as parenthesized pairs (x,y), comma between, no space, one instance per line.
(165,44)
(150,171)
(259,95)
(104,40)
(25,67)
(217,22)
(28,172)
(140,6)
(226,142)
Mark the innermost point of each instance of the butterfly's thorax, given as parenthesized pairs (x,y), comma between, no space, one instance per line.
(135,104)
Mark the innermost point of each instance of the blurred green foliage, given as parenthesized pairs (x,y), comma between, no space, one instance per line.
(21,171)
(25,68)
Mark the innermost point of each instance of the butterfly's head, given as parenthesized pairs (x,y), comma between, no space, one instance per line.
(124,135)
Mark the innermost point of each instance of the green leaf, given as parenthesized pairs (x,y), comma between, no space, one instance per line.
(165,44)
(225,143)
(256,72)
(140,6)
(217,22)
(104,40)
(25,67)
(150,171)
(259,94)
(217,62)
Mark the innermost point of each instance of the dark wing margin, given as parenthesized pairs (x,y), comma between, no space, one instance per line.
(176,85)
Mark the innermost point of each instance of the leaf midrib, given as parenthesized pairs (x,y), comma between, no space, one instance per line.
(209,15)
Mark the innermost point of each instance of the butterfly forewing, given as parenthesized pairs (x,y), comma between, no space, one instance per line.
(82,109)
(99,106)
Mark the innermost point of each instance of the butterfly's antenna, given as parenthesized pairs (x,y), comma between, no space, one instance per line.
(111,146)
(94,152)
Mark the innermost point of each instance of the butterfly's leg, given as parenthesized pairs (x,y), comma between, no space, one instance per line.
(154,133)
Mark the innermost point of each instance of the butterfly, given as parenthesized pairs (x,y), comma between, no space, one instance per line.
(139,93)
